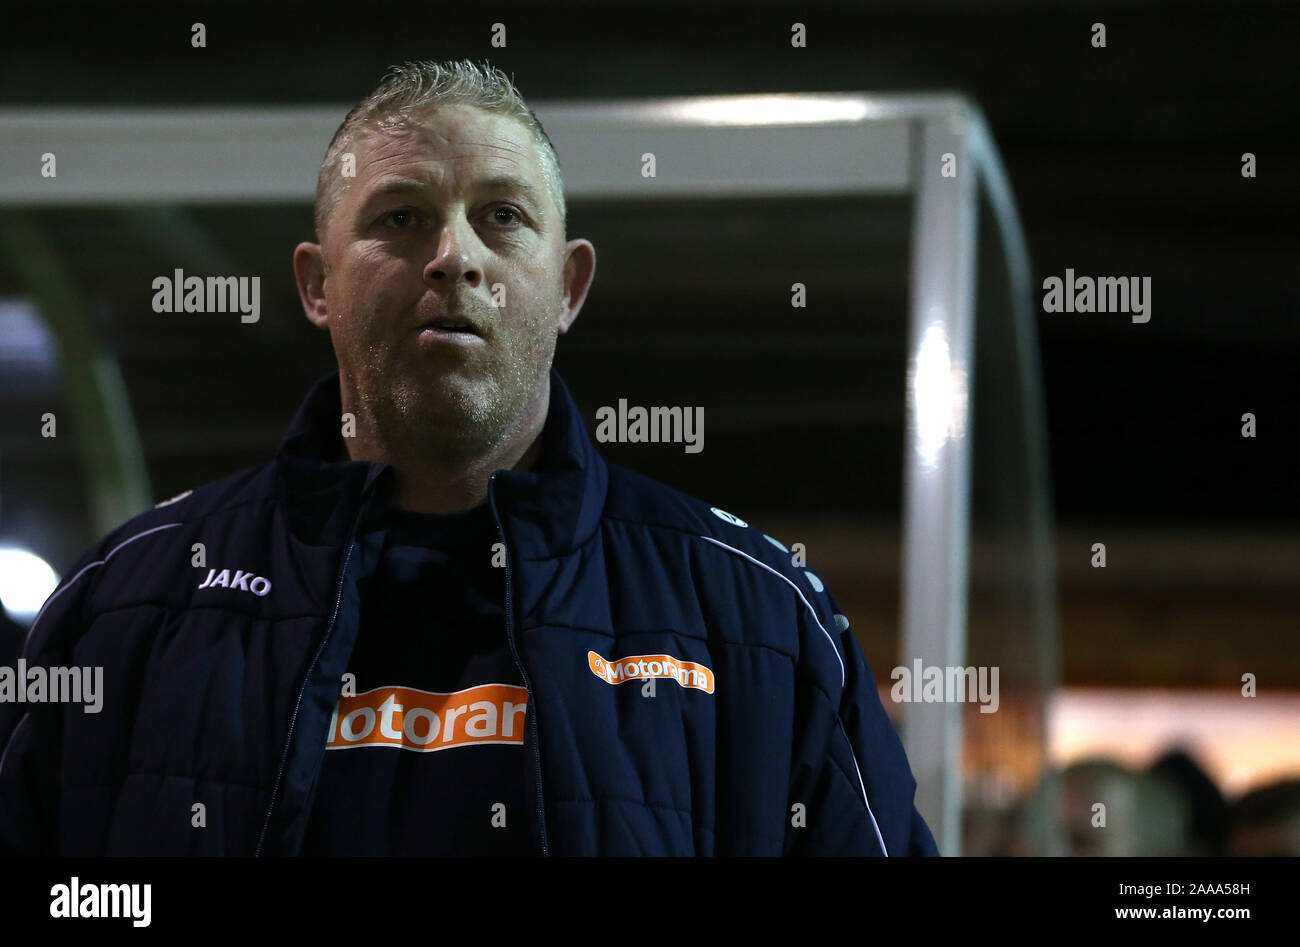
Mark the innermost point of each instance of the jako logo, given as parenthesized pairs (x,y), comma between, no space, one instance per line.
(640,666)
(424,721)
(245,581)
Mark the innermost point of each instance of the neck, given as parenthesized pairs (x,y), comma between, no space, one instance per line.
(424,486)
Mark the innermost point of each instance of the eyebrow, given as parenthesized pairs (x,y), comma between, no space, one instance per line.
(501,182)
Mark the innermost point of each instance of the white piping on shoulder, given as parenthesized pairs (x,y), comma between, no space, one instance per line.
(813,611)
(744,555)
(90,565)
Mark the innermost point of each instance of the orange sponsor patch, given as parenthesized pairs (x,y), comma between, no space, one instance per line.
(640,666)
(425,721)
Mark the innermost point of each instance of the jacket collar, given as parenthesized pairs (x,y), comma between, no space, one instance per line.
(547,511)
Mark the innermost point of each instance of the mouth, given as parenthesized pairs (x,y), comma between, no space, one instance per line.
(451,325)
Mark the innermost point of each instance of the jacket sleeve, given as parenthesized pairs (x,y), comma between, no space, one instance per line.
(850,771)
(31,734)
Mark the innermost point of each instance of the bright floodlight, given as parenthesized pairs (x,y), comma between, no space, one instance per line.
(757,110)
(26,581)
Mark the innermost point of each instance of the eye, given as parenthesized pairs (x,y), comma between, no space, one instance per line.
(398,216)
(506,209)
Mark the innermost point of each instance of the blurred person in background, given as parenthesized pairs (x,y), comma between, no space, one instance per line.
(1208,830)
(1266,821)
(1143,816)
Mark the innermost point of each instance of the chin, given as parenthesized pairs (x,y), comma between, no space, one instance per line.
(449,402)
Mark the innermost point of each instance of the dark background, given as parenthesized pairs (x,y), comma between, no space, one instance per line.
(1124,161)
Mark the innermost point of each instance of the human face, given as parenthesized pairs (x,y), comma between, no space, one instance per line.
(447,219)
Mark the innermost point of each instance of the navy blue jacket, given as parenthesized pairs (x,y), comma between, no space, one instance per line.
(762,733)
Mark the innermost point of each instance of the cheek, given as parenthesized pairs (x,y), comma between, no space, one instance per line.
(538,300)
(365,286)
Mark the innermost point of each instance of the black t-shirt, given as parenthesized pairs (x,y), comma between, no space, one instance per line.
(428,757)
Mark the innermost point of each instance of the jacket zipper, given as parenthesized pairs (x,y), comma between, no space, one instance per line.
(293,720)
(514,651)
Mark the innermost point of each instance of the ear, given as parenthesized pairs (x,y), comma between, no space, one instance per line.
(310,273)
(579,271)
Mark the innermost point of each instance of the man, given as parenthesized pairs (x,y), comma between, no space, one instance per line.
(438,622)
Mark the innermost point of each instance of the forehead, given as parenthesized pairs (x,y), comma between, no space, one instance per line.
(448,143)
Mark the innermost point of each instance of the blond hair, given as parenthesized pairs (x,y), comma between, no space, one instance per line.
(418,86)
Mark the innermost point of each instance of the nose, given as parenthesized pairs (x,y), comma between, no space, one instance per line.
(452,262)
